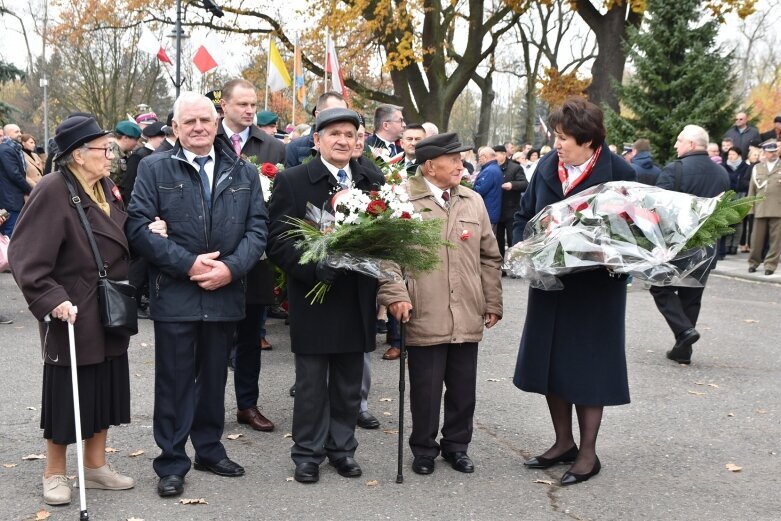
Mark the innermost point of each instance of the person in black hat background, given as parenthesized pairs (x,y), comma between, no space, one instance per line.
(773,133)
(453,304)
(301,148)
(170,137)
(329,340)
(514,183)
(766,182)
(54,266)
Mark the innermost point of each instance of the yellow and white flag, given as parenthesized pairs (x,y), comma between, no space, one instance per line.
(277,78)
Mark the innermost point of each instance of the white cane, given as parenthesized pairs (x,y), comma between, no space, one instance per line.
(84,515)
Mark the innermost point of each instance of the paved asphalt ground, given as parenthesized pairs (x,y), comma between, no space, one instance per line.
(663,455)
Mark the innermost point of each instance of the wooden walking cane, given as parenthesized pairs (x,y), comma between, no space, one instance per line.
(402,389)
(83,514)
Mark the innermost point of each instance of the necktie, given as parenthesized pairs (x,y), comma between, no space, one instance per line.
(446,198)
(236,142)
(342,175)
(207,188)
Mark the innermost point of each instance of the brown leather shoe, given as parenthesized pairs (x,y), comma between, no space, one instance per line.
(265,345)
(254,419)
(393,353)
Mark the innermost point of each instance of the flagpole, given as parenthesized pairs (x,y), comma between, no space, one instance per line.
(268,71)
(295,80)
(325,69)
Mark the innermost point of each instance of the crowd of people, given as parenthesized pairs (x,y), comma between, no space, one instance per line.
(178,209)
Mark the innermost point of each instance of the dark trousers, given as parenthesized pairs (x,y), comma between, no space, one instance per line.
(325,410)
(680,305)
(247,362)
(190,372)
(504,235)
(138,276)
(455,366)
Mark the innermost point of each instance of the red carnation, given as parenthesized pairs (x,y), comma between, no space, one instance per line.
(277,291)
(405,215)
(269,170)
(376,207)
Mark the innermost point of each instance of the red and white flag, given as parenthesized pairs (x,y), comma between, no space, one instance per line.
(209,54)
(332,68)
(544,127)
(149,44)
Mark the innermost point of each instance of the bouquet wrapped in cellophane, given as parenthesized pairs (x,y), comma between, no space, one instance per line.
(366,233)
(657,236)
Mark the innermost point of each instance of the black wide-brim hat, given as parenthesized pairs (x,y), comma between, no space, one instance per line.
(438,145)
(74,132)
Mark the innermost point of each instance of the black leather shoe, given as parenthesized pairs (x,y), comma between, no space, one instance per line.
(366,420)
(143,313)
(769,272)
(226,468)
(347,467)
(752,270)
(172,485)
(307,473)
(423,464)
(570,478)
(682,351)
(459,461)
(539,462)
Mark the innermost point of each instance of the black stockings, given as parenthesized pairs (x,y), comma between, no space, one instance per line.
(589,420)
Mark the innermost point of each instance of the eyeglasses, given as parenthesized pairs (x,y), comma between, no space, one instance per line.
(106,150)
(397,121)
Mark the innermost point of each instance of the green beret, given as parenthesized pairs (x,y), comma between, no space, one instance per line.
(266,117)
(128,128)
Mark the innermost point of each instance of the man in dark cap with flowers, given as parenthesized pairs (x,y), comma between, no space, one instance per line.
(328,340)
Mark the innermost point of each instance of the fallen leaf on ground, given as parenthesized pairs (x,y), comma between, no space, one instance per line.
(761,411)
(138,374)
(494,380)
(199,501)
(31,408)
(696,393)
(234,436)
(391,431)
(34,456)
(111,450)
(42,514)
(9,465)
(386,413)
(372,483)
(386,399)
(288,435)
(713,385)
(136,453)
(733,468)
(699,383)
(134,519)
(290,478)
(730,414)
(543,481)
(144,344)
(772,453)
(751,321)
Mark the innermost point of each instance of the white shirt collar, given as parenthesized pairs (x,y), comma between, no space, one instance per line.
(437,191)
(190,156)
(335,169)
(244,134)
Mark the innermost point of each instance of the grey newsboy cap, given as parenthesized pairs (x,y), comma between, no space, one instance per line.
(330,116)
(438,145)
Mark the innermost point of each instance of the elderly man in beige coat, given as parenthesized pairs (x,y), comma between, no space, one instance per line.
(445,310)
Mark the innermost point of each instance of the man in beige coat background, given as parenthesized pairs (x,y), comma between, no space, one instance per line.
(766,181)
(446,309)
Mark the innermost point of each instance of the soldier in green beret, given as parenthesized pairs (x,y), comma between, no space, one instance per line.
(127,134)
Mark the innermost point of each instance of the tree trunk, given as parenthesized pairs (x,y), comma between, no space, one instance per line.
(487,96)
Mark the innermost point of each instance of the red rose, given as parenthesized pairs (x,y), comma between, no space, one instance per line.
(376,207)
(405,215)
(284,305)
(277,291)
(269,170)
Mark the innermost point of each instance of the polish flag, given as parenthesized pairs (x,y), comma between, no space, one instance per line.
(332,68)
(209,54)
(149,44)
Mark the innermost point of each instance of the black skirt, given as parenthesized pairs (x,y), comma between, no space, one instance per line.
(104,398)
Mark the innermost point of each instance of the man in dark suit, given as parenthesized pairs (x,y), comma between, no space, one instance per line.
(692,173)
(773,133)
(217,227)
(329,340)
(238,130)
(388,127)
(301,148)
(514,184)
(413,133)
(170,138)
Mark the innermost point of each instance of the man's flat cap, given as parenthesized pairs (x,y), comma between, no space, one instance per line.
(266,117)
(154,129)
(438,145)
(500,148)
(330,116)
(128,128)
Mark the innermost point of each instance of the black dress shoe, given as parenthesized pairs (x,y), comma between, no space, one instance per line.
(347,467)
(769,272)
(226,468)
(682,351)
(366,420)
(423,464)
(143,313)
(307,473)
(459,461)
(276,312)
(540,462)
(570,478)
(752,270)
(172,485)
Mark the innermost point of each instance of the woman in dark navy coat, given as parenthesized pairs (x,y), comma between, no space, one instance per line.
(572,348)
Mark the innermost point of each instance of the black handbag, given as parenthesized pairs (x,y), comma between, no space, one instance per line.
(116,299)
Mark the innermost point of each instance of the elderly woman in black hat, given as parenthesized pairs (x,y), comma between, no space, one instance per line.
(56,271)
